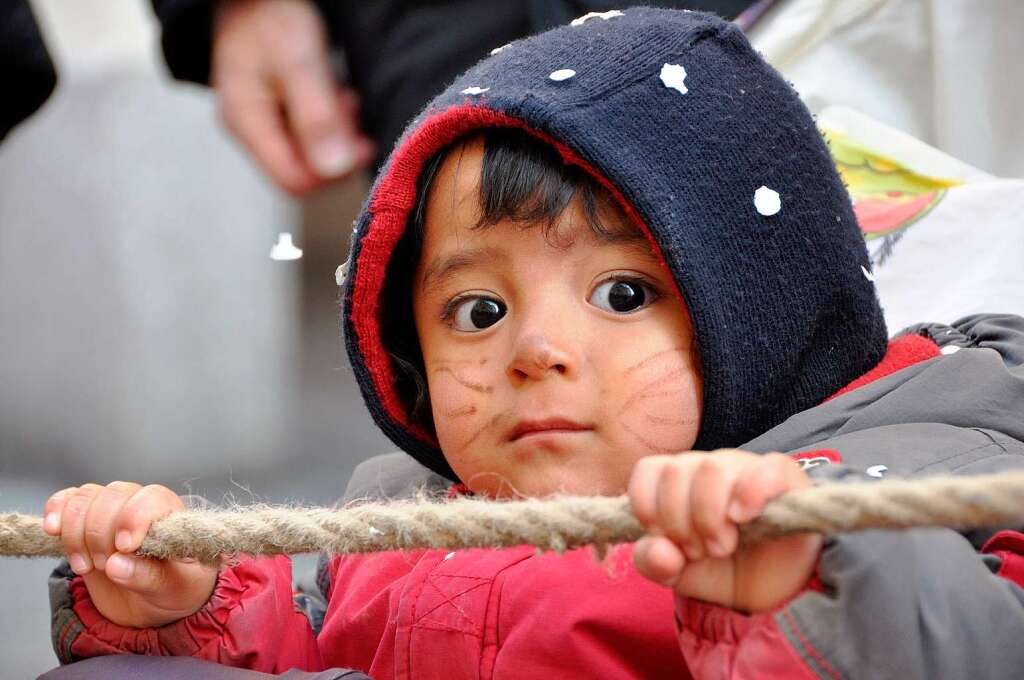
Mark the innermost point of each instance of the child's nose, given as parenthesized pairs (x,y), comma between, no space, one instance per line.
(537,357)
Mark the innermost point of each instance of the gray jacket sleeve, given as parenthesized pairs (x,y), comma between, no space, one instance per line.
(912,604)
(924,603)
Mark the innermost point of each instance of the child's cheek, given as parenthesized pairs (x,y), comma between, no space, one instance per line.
(459,403)
(661,404)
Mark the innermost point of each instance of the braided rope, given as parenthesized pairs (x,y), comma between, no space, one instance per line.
(556,524)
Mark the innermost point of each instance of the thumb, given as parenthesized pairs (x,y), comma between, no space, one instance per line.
(322,127)
(171,586)
(141,575)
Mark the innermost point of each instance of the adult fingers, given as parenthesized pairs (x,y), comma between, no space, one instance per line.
(349,107)
(251,110)
(53,508)
(72,526)
(100,520)
(327,139)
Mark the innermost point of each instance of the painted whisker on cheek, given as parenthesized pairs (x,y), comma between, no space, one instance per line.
(649,443)
(657,355)
(658,420)
(461,411)
(465,382)
(489,424)
(654,395)
(659,412)
(646,391)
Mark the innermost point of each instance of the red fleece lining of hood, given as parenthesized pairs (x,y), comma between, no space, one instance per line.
(392,202)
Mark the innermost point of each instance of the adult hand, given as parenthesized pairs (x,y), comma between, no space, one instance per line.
(276,93)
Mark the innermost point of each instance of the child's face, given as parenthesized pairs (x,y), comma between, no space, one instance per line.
(553,364)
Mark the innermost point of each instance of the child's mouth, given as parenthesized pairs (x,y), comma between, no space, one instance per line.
(547,426)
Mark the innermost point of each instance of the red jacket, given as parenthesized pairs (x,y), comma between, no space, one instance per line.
(461,615)
(515,613)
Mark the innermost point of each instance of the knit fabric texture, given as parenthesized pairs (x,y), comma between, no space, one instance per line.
(715,157)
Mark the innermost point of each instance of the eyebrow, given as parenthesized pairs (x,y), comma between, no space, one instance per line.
(441,267)
(631,239)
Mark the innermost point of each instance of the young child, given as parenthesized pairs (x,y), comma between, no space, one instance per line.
(600,249)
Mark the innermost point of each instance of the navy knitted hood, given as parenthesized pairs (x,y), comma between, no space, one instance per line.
(714,157)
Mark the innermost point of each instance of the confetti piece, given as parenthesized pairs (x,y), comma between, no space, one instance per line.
(475,90)
(672,75)
(610,14)
(284,249)
(867,275)
(340,273)
(499,49)
(562,74)
(951,349)
(767,201)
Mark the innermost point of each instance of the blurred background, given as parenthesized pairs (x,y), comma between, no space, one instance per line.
(146,334)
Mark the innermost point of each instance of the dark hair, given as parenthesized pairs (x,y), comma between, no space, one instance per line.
(523,180)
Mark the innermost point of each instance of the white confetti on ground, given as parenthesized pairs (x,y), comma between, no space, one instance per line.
(610,14)
(499,49)
(475,90)
(950,349)
(284,249)
(673,75)
(867,275)
(562,74)
(767,201)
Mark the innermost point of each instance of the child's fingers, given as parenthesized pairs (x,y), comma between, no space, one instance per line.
(774,475)
(659,559)
(643,488)
(72,526)
(53,508)
(673,504)
(140,575)
(101,519)
(146,505)
(711,490)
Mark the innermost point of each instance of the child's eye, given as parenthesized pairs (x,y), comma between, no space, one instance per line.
(471,314)
(622,296)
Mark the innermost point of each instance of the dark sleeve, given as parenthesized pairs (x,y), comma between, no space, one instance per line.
(27,76)
(186,37)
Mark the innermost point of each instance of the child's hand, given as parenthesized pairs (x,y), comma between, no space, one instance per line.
(691,505)
(101,528)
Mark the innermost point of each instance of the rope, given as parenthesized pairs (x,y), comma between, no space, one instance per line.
(556,524)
